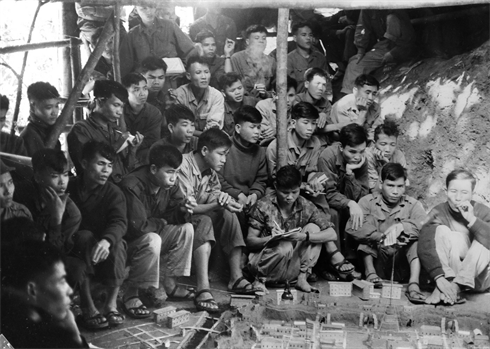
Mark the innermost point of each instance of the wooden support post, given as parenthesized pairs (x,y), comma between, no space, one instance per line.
(76,68)
(116,62)
(20,77)
(281,86)
(116,59)
(67,111)
(76,61)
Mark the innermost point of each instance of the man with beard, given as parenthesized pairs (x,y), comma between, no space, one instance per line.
(44,104)
(101,126)
(455,244)
(390,218)
(256,68)
(205,101)
(304,56)
(141,118)
(359,107)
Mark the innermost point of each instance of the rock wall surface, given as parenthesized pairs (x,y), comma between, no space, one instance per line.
(442,108)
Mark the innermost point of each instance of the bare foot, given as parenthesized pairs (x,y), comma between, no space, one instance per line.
(456,289)
(303,285)
(414,292)
(435,297)
(260,286)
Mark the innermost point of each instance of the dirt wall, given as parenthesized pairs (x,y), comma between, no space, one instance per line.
(443,111)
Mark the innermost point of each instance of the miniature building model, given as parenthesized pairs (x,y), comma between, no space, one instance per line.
(178,318)
(426,330)
(340,289)
(393,291)
(160,315)
(239,300)
(362,289)
(279,297)
(271,343)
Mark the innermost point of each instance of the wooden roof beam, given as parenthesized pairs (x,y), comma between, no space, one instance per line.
(37,46)
(293,4)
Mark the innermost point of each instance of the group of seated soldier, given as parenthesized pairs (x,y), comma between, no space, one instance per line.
(168,182)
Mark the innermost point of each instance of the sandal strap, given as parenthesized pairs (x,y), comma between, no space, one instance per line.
(130,298)
(237,282)
(174,290)
(205,290)
(333,253)
(342,263)
(114,313)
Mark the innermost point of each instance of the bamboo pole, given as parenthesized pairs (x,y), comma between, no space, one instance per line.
(20,79)
(65,53)
(76,67)
(37,46)
(116,62)
(281,86)
(75,93)
(293,4)
(116,59)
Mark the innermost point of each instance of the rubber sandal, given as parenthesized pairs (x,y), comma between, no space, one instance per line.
(209,304)
(460,300)
(411,298)
(243,290)
(91,323)
(131,312)
(379,281)
(344,275)
(114,318)
(191,293)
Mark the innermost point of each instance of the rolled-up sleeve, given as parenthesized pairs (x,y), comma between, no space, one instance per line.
(271,155)
(216,113)
(116,218)
(368,232)
(413,224)
(326,164)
